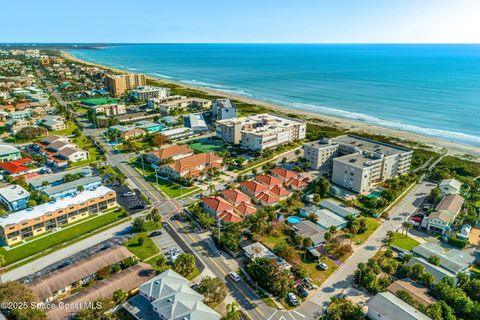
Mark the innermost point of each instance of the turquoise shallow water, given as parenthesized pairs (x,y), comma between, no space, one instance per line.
(428,89)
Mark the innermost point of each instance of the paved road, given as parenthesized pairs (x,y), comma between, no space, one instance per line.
(342,278)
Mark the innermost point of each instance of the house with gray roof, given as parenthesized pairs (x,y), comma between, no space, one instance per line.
(8,153)
(325,217)
(71,188)
(308,229)
(169,296)
(438,272)
(339,208)
(54,179)
(452,260)
(387,306)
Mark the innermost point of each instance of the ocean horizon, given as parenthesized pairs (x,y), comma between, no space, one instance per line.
(432,90)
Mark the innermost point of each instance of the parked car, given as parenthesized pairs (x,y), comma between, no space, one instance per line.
(323,266)
(301,290)
(235,277)
(292,298)
(128,194)
(155,233)
(137,206)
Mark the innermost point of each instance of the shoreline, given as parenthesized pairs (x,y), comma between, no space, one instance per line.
(436,144)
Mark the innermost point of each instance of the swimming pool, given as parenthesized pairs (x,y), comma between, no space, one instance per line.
(294,219)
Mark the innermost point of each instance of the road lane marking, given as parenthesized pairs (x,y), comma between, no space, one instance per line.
(225,273)
(301,315)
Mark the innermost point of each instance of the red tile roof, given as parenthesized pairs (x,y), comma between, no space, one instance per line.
(171,151)
(246,208)
(253,186)
(267,198)
(279,191)
(217,204)
(296,182)
(268,180)
(230,216)
(235,196)
(210,160)
(284,173)
(16,166)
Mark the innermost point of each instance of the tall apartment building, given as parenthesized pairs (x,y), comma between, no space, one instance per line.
(260,132)
(147,92)
(223,109)
(118,84)
(357,163)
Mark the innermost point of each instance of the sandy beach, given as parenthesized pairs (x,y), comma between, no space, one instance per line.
(436,144)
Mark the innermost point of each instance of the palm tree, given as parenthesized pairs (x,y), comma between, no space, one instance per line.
(390,236)
(407,226)
(120,296)
(233,311)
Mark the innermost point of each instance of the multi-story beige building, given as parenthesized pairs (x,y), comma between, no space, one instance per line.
(147,92)
(118,84)
(109,109)
(357,163)
(27,223)
(262,131)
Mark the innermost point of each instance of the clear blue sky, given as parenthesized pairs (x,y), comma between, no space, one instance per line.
(317,21)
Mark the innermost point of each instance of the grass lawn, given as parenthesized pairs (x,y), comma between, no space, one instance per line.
(42,243)
(372,225)
(142,251)
(84,143)
(403,242)
(173,190)
(271,241)
(71,126)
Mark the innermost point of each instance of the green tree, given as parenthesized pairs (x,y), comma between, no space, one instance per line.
(268,273)
(16,292)
(120,296)
(185,264)
(138,224)
(434,260)
(214,290)
(343,309)
(285,251)
(98,313)
(390,237)
(233,312)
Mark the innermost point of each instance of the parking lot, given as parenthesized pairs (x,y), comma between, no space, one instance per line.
(132,204)
(164,242)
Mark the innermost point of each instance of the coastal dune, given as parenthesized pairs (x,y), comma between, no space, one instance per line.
(436,144)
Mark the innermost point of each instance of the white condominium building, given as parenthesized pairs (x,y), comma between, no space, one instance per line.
(262,131)
(357,163)
(146,92)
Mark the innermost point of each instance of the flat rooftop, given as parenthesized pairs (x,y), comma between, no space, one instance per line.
(359,160)
(14,193)
(369,145)
(40,210)
(51,191)
(57,177)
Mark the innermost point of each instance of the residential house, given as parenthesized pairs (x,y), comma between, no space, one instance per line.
(325,217)
(14,197)
(15,168)
(222,210)
(387,306)
(172,152)
(127,132)
(446,212)
(234,196)
(8,153)
(296,184)
(438,272)
(252,188)
(109,110)
(450,186)
(149,126)
(453,260)
(308,229)
(192,166)
(339,208)
(283,174)
(55,179)
(169,296)
(178,133)
(54,123)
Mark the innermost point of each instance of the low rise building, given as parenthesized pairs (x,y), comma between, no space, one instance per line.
(308,229)
(178,133)
(168,153)
(386,306)
(192,166)
(196,122)
(53,123)
(176,105)
(14,197)
(72,188)
(260,132)
(169,296)
(325,217)
(8,153)
(59,283)
(438,272)
(127,132)
(453,260)
(55,179)
(339,208)
(450,186)
(416,291)
(24,224)
(445,214)
(149,126)
(20,167)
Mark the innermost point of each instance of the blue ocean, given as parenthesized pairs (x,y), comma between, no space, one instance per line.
(427,89)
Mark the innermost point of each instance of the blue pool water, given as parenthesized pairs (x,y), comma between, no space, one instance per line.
(428,89)
(294,220)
